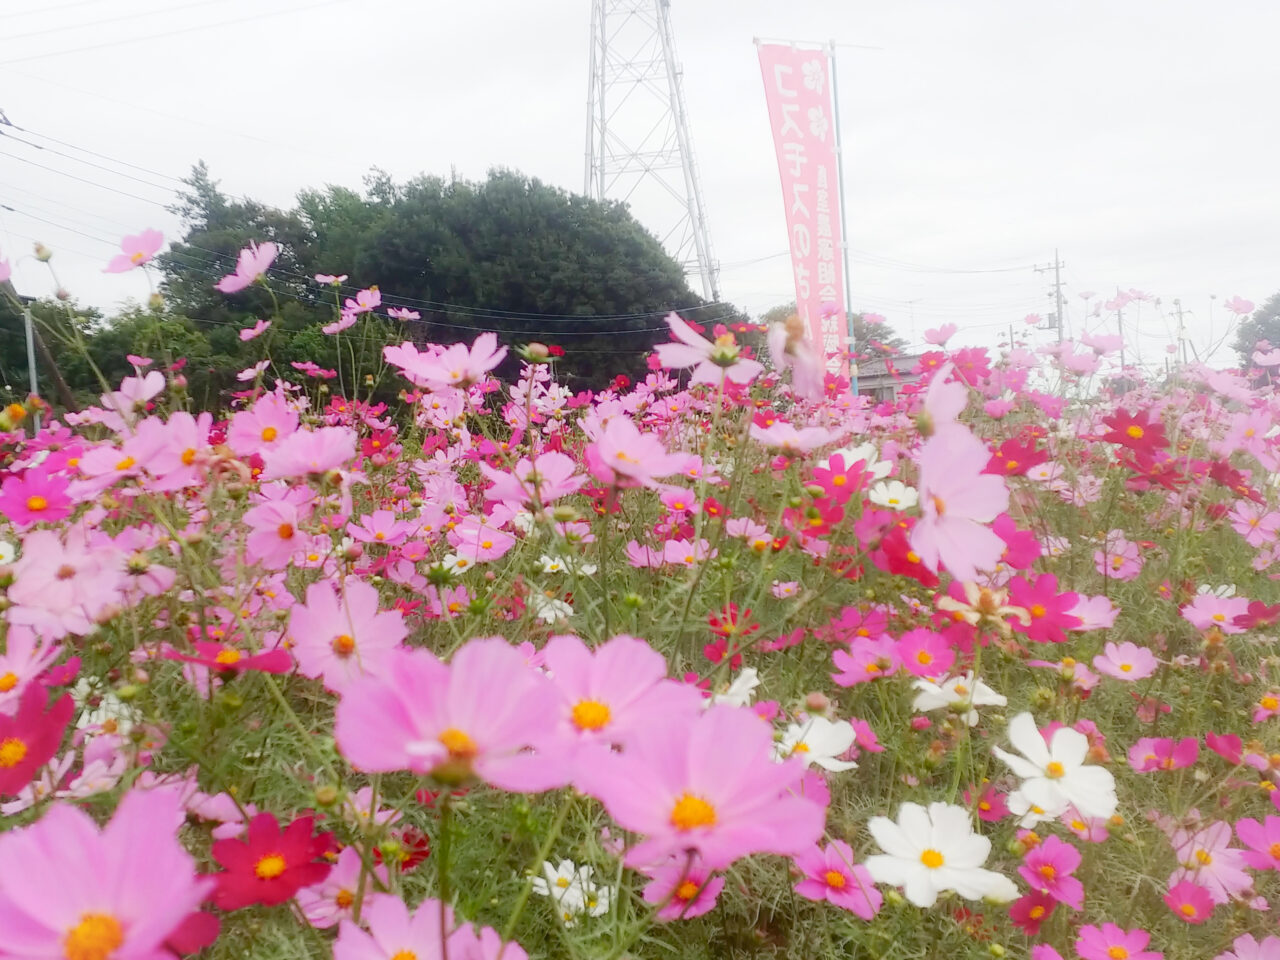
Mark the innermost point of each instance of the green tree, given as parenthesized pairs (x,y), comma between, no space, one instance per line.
(1263,325)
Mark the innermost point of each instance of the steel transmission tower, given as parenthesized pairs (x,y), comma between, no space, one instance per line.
(638,146)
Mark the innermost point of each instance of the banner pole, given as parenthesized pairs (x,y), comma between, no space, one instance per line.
(844,222)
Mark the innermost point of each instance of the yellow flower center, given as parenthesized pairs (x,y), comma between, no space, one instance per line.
(1036,912)
(839,480)
(404,955)
(12,752)
(8,681)
(691,812)
(1037,610)
(932,859)
(835,879)
(939,505)
(126,464)
(1274,850)
(1126,667)
(590,715)
(562,883)
(269,434)
(1269,703)
(1048,872)
(343,645)
(188,456)
(924,657)
(687,890)
(1137,433)
(1204,857)
(285,531)
(37,503)
(913,557)
(96,937)
(1187,910)
(1119,953)
(270,867)
(459,745)
(1055,770)
(227,657)
(344,899)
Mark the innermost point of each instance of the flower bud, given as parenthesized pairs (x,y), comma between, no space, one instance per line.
(43,253)
(817,702)
(327,795)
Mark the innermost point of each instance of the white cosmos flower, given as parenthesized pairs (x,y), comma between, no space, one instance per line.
(893,494)
(7,553)
(552,564)
(549,609)
(572,889)
(1027,812)
(111,715)
(740,691)
(1054,775)
(928,851)
(819,741)
(960,694)
(456,564)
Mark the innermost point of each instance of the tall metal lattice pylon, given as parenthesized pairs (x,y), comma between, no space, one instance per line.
(638,146)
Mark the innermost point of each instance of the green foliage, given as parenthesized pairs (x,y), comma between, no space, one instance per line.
(1263,325)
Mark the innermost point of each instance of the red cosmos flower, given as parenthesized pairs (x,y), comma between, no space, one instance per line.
(815,520)
(1027,913)
(712,507)
(30,738)
(1015,457)
(225,659)
(898,557)
(1140,432)
(728,622)
(1258,615)
(415,847)
(555,350)
(270,865)
(1050,611)
(1021,549)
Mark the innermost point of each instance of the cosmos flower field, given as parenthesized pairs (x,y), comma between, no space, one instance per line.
(727,663)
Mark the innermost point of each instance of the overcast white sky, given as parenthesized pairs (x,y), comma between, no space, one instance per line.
(1140,137)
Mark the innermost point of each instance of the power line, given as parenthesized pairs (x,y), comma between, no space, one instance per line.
(100,23)
(171,33)
(65,6)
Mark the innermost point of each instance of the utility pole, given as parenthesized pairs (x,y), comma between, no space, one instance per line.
(1056,267)
(1120,327)
(1182,331)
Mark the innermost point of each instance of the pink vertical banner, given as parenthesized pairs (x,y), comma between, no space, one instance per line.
(797,88)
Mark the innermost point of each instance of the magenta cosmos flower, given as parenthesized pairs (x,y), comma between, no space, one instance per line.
(609,695)
(135,251)
(131,888)
(1048,868)
(1263,841)
(1189,902)
(705,784)
(957,499)
(340,635)
(622,456)
(1163,753)
(686,889)
(35,497)
(477,716)
(1110,942)
(1126,661)
(253,262)
(831,875)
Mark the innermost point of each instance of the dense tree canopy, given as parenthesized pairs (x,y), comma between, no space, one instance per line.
(509,254)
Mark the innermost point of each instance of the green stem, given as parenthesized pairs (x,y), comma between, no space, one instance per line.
(538,858)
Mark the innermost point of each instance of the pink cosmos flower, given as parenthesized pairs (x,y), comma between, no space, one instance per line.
(184,442)
(708,785)
(1245,947)
(1111,942)
(309,453)
(1239,306)
(264,426)
(1120,560)
(365,301)
(134,885)
(455,366)
(274,534)
(6,271)
(1208,610)
(1089,829)
(1263,841)
(543,480)
(395,932)
(345,320)
(402,313)
(713,363)
(330,280)
(940,335)
(479,541)
(610,694)
(866,659)
(381,526)
(956,499)
(1163,753)
(328,902)
(1208,859)
(257,330)
(253,263)
(1049,610)
(685,887)
(1268,706)
(26,656)
(63,587)
(622,456)
(340,635)
(1126,661)
(135,251)
(34,497)
(475,717)
(1189,902)
(1095,613)
(790,442)
(831,875)
(1048,867)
